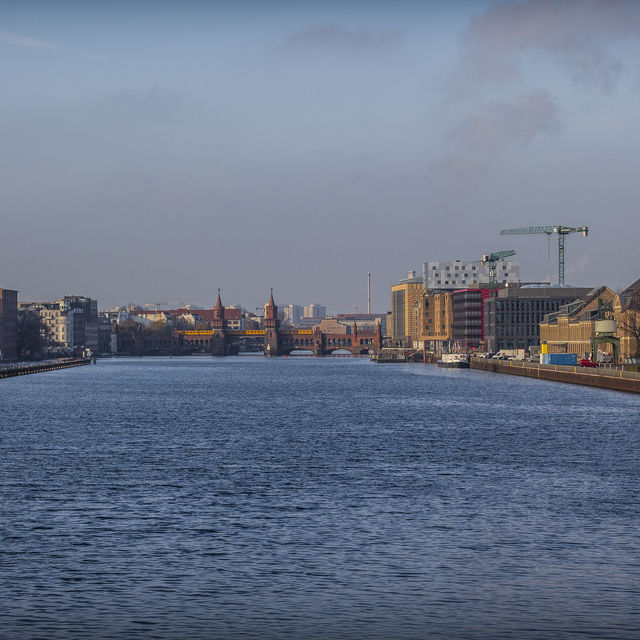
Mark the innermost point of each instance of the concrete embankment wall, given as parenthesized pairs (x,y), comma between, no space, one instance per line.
(37,367)
(616,379)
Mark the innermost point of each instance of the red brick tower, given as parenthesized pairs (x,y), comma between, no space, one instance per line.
(272,345)
(219,345)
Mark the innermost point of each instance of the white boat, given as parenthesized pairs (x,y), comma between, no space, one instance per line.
(454,360)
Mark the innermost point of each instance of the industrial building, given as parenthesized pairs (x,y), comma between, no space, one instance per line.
(573,327)
(512,318)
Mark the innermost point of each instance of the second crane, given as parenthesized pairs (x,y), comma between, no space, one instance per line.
(560,230)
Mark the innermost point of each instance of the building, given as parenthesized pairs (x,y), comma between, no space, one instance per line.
(512,318)
(406,297)
(309,323)
(68,323)
(435,321)
(315,310)
(626,307)
(468,318)
(573,327)
(364,320)
(233,315)
(8,324)
(84,312)
(292,313)
(466,274)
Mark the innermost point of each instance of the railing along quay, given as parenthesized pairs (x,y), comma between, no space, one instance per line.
(617,379)
(11,371)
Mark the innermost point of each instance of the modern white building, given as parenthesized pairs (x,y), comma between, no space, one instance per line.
(460,274)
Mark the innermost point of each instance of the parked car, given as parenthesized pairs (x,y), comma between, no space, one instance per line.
(585,362)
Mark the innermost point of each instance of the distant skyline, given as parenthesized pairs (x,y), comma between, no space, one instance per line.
(158,151)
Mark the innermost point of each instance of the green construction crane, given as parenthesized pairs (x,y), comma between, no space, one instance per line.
(491,259)
(561,230)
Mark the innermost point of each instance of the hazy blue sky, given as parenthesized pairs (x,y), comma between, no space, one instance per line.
(154,151)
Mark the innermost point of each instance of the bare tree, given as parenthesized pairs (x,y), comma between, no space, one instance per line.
(629,322)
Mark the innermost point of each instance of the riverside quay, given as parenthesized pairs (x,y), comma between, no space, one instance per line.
(274,340)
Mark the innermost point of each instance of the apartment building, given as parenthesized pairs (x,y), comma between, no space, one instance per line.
(461,274)
(67,323)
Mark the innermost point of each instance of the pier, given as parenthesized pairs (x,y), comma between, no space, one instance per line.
(24,369)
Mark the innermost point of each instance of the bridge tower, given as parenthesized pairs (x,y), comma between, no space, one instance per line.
(272,346)
(219,345)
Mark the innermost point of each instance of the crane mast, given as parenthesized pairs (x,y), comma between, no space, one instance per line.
(491,259)
(560,230)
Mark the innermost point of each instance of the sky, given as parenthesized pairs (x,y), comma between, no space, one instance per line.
(155,151)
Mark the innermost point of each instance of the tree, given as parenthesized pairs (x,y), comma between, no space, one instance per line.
(629,322)
(30,339)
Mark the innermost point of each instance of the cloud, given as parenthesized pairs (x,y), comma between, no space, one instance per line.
(25,41)
(580,34)
(485,134)
(333,37)
(500,124)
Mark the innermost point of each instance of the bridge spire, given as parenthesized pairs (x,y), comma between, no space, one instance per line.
(218,310)
(270,309)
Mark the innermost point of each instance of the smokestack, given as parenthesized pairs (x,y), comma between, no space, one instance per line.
(368,292)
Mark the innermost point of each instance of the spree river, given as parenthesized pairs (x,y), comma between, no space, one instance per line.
(329,498)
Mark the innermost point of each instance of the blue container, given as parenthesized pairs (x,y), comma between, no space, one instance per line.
(570,359)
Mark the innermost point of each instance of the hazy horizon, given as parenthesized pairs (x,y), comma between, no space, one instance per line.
(158,151)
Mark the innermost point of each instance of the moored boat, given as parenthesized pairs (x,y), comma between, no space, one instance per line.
(454,360)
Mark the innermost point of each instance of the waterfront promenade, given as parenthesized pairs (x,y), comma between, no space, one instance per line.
(614,378)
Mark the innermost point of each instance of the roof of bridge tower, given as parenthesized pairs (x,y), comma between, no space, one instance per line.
(218,301)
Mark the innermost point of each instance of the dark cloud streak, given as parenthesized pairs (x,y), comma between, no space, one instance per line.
(579,34)
(334,37)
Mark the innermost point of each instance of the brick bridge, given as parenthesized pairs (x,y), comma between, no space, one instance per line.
(276,341)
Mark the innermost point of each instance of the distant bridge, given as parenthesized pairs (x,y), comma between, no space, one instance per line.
(288,339)
(274,340)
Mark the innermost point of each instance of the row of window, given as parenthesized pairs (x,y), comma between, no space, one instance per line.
(464,268)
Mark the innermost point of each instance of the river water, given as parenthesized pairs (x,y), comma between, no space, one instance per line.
(327,498)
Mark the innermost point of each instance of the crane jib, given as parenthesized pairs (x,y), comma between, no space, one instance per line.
(560,230)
